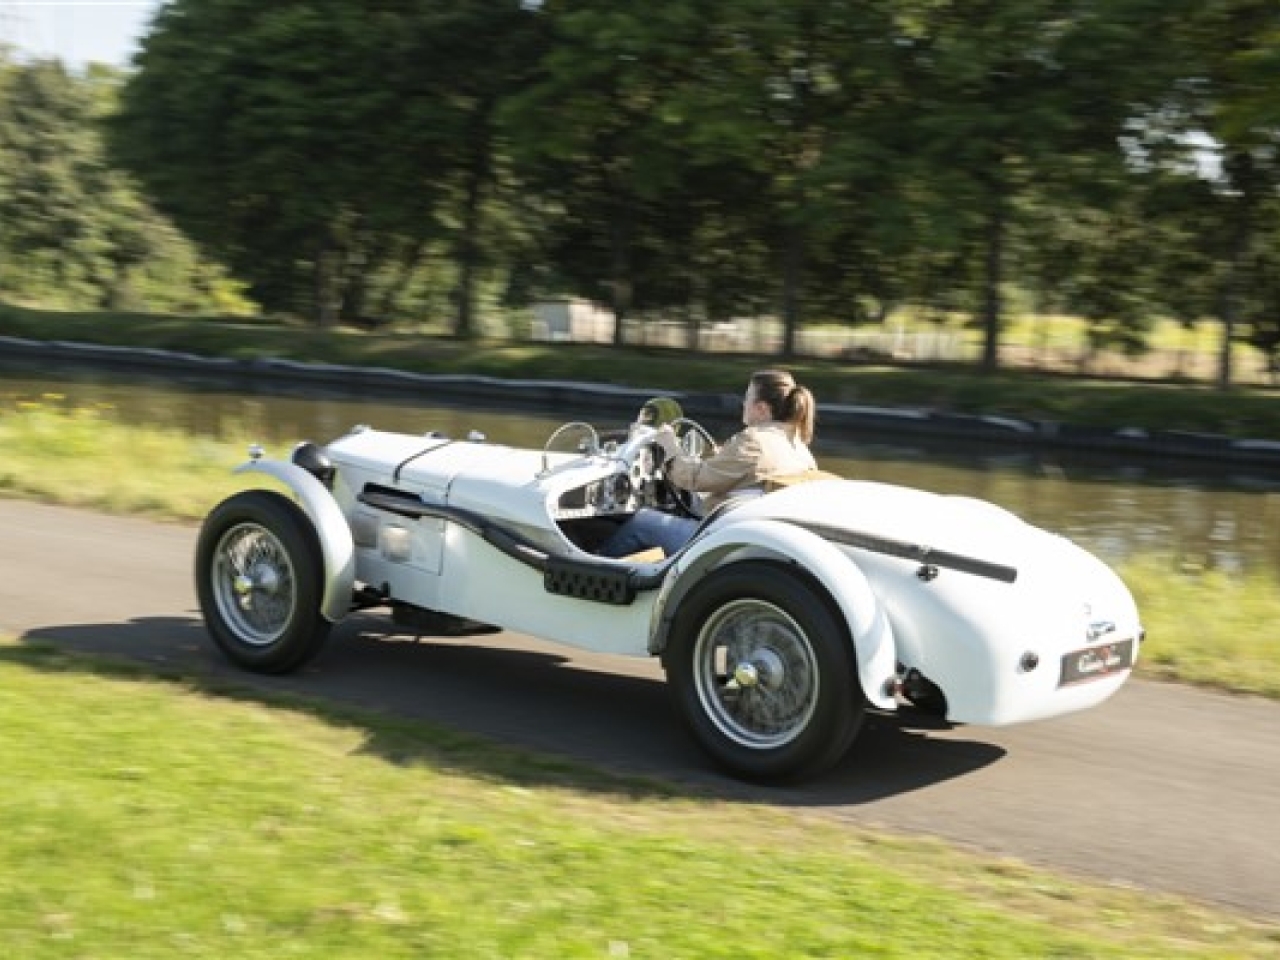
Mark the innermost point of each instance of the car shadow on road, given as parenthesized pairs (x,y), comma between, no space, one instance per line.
(527,700)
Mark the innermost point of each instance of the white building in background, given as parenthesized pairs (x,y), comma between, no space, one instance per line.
(577,321)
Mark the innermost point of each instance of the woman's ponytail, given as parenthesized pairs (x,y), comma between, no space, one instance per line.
(802,412)
(788,401)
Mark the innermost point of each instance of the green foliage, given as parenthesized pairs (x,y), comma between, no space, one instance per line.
(1229,94)
(74,232)
(1261,308)
(162,818)
(315,144)
(814,161)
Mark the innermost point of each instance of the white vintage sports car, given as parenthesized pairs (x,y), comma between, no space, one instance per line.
(787,616)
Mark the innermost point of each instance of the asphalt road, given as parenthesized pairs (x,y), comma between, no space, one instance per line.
(1164,787)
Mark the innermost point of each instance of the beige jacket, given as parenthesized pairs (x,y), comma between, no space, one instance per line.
(747,459)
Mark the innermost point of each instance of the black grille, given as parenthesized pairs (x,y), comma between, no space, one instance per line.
(572,578)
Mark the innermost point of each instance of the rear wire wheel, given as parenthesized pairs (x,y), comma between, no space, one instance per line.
(763,673)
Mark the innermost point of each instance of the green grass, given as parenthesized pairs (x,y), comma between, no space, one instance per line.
(1243,412)
(1204,626)
(78,456)
(1208,626)
(146,817)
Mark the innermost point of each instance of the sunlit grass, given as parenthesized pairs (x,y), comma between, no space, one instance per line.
(79,456)
(146,818)
(1208,626)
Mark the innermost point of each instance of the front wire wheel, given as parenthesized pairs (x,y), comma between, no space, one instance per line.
(259,578)
(254,584)
(763,673)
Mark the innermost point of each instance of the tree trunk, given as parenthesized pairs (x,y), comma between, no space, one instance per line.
(364,250)
(355,300)
(993,276)
(1228,325)
(408,262)
(693,329)
(620,273)
(792,271)
(1239,168)
(468,251)
(327,299)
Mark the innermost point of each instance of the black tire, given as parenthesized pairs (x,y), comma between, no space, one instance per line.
(762,671)
(259,578)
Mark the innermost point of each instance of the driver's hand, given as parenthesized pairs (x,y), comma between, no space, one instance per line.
(666,439)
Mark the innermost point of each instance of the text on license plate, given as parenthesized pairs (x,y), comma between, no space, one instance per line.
(1094,663)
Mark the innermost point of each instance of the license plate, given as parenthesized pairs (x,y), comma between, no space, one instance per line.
(1094,663)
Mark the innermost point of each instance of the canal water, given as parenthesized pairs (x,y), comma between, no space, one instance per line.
(1195,513)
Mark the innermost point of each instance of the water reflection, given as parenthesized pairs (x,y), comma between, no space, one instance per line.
(1195,514)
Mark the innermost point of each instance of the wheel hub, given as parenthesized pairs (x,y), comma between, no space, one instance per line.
(253,583)
(762,668)
(262,579)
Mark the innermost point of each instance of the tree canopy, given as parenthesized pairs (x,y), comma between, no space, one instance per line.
(813,160)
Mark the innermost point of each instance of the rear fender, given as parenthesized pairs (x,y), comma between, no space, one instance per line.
(331,527)
(839,576)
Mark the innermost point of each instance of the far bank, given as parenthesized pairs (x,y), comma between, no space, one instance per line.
(1147,421)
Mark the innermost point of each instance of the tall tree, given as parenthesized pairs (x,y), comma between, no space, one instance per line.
(803,101)
(1230,90)
(75,231)
(594,137)
(45,208)
(283,138)
(312,142)
(478,54)
(1017,97)
(714,156)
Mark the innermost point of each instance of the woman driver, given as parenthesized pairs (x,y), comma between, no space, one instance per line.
(777,414)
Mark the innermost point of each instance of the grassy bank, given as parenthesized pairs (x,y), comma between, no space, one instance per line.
(1242,412)
(1205,626)
(157,819)
(77,456)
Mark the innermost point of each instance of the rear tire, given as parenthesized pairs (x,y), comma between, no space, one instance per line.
(763,673)
(260,579)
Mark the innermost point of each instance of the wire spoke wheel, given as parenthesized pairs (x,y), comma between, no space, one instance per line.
(756,674)
(762,671)
(259,576)
(254,583)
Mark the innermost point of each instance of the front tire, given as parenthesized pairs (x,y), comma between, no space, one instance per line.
(763,673)
(259,578)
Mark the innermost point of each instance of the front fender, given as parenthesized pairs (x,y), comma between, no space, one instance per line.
(839,575)
(332,530)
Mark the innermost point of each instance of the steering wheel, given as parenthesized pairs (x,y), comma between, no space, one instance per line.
(694,438)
